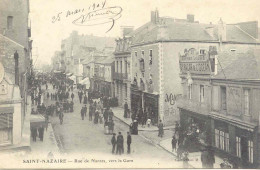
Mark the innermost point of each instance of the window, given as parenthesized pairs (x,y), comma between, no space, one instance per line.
(238,147)
(121,65)
(223,98)
(233,50)
(135,54)
(117,66)
(151,56)
(142,54)
(222,140)
(125,90)
(190,91)
(250,151)
(9,22)
(246,101)
(201,93)
(202,51)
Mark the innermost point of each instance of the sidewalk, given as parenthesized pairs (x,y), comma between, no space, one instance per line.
(49,143)
(195,157)
(119,113)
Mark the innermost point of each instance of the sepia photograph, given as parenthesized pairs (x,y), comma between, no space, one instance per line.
(129,84)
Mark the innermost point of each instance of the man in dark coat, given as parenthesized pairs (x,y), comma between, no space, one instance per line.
(80,97)
(85,101)
(129,141)
(120,142)
(85,110)
(72,96)
(174,142)
(90,112)
(113,141)
(125,109)
(160,127)
(106,115)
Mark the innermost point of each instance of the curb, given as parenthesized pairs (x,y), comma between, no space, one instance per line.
(152,142)
(151,130)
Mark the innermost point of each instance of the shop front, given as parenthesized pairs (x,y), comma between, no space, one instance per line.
(151,103)
(237,142)
(136,99)
(194,130)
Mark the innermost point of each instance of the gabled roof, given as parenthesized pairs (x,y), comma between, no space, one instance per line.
(245,67)
(172,30)
(108,60)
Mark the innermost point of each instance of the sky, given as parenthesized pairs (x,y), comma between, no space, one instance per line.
(47,35)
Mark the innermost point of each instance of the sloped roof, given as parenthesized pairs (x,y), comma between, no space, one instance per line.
(245,67)
(108,60)
(171,29)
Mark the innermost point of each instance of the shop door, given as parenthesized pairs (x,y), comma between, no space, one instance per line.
(244,150)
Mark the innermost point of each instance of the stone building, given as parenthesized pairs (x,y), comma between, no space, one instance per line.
(122,78)
(155,49)
(15,55)
(220,103)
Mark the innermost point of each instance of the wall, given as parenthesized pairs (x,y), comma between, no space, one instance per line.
(19,9)
(149,69)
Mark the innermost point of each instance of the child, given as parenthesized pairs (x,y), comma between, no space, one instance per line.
(148,122)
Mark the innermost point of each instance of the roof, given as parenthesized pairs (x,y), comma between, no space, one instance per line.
(108,60)
(245,67)
(172,30)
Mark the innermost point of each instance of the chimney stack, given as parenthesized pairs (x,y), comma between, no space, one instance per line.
(155,16)
(16,68)
(190,18)
(222,31)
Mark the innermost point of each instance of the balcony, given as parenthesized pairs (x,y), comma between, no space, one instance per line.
(121,76)
(194,106)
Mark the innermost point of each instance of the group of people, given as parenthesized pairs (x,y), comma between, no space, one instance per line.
(118,143)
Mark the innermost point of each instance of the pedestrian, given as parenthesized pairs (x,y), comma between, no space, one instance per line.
(106,115)
(41,133)
(90,112)
(148,122)
(72,96)
(111,126)
(120,141)
(96,116)
(225,164)
(82,113)
(34,133)
(80,97)
(129,141)
(111,114)
(113,142)
(85,101)
(85,110)
(174,142)
(160,127)
(125,109)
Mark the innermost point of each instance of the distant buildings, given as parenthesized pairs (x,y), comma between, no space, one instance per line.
(15,56)
(76,48)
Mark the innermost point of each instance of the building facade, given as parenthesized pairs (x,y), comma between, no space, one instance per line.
(15,56)
(155,49)
(220,103)
(122,78)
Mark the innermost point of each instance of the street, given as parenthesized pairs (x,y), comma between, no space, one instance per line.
(77,136)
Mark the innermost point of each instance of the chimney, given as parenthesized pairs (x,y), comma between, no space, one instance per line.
(126,30)
(155,16)
(222,31)
(16,68)
(190,18)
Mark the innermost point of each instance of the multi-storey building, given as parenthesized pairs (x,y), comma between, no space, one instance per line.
(155,49)
(122,77)
(220,103)
(15,58)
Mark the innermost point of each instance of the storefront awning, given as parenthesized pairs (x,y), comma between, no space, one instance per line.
(86,82)
(37,120)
